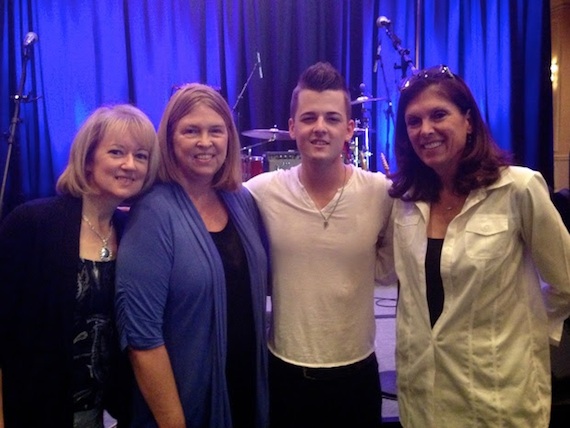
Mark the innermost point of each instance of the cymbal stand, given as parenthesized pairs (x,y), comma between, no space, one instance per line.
(251,146)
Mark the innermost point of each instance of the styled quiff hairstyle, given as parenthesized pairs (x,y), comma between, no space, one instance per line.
(184,100)
(111,120)
(481,161)
(320,77)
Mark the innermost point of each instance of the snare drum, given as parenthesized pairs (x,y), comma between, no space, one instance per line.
(251,166)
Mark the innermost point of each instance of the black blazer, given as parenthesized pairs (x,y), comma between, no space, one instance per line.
(39,253)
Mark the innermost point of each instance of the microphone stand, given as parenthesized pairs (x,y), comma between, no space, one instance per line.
(18,98)
(240,96)
(389,113)
(406,61)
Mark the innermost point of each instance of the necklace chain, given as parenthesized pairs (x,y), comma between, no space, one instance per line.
(327,218)
(105,252)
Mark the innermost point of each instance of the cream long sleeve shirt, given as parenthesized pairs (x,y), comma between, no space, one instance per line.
(486,361)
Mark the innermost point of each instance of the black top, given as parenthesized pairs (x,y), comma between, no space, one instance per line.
(241,360)
(93,333)
(434,291)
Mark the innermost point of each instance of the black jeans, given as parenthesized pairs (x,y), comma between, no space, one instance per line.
(345,396)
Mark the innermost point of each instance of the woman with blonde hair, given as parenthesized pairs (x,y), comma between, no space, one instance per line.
(59,356)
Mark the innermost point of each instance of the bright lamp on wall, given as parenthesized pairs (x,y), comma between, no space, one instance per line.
(554,72)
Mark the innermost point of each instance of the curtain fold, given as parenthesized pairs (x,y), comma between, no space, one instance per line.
(137,51)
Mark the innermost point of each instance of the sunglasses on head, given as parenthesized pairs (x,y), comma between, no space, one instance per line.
(431,73)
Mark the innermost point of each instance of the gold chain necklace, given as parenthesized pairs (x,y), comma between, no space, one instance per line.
(327,218)
(105,252)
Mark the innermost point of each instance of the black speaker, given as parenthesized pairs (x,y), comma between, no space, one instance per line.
(282,160)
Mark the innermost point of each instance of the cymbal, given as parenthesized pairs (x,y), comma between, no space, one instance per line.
(268,134)
(364,99)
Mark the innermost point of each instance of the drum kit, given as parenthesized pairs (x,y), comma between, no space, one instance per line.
(356,151)
(254,165)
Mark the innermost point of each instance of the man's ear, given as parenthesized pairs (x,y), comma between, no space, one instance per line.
(292,128)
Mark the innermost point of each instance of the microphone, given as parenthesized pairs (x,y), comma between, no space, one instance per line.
(382,21)
(259,65)
(30,39)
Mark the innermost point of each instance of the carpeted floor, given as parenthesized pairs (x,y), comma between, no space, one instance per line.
(385,312)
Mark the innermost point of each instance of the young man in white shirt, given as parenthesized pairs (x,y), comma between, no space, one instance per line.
(330,239)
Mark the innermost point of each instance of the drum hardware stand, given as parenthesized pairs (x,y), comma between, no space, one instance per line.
(362,157)
(27,53)
(365,153)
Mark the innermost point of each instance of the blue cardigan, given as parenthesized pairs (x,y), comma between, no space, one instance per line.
(171,291)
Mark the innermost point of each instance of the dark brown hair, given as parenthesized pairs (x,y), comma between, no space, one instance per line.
(481,161)
(320,77)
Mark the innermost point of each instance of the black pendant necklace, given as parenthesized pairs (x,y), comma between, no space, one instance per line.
(105,252)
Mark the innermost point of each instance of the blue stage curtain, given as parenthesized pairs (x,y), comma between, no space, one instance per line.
(105,51)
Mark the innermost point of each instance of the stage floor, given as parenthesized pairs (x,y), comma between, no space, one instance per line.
(385,312)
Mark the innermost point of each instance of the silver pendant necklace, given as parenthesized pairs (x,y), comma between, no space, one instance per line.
(327,218)
(105,252)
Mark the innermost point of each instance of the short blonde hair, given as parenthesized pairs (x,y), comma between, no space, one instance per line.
(107,120)
(184,100)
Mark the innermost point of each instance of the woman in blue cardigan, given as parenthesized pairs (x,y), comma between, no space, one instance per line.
(60,361)
(192,276)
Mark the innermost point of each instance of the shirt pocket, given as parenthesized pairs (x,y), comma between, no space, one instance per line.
(405,230)
(487,236)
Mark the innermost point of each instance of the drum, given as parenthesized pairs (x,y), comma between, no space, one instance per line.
(251,166)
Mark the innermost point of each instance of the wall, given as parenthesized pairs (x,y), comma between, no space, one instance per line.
(560,20)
